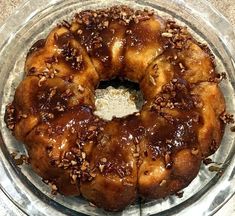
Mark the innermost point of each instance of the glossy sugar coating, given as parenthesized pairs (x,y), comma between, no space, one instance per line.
(153,153)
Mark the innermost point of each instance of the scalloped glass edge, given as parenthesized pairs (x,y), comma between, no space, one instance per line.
(226,34)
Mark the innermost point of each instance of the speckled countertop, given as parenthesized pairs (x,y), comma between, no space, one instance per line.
(226,7)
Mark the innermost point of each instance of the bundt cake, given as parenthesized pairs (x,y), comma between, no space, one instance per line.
(152,153)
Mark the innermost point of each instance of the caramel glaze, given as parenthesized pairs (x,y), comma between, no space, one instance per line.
(37,46)
(153,153)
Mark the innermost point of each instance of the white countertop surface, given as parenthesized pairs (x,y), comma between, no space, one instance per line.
(226,7)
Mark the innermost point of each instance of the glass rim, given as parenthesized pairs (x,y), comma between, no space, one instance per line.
(7,31)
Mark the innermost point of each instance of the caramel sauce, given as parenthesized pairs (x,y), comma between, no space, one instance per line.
(169,136)
(141,36)
(36,46)
(122,135)
(96,47)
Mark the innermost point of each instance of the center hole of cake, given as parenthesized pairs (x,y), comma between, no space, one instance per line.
(117,98)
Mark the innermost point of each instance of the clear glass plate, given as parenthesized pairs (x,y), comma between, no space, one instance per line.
(34,20)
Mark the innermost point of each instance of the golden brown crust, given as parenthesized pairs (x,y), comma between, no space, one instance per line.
(211,132)
(156,181)
(152,154)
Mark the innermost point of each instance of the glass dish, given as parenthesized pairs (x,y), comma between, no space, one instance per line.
(32,21)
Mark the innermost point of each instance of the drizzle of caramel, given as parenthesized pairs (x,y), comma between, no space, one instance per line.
(36,46)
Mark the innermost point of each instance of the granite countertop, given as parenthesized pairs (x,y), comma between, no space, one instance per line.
(226,7)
